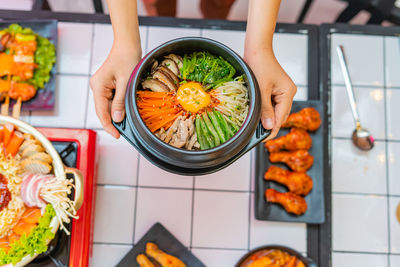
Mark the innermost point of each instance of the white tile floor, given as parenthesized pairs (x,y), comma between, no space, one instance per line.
(210,214)
(216,234)
(365,185)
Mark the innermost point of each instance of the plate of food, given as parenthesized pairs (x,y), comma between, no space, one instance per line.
(27,64)
(158,247)
(274,256)
(290,169)
(36,197)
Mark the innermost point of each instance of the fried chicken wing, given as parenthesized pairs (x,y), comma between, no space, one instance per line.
(292,203)
(161,257)
(298,182)
(143,261)
(307,119)
(299,160)
(294,140)
(24,90)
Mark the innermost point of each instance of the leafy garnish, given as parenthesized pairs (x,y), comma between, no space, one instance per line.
(45,55)
(206,68)
(35,242)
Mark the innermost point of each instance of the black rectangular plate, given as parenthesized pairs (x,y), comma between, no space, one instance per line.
(166,242)
(45,98)
(315,213)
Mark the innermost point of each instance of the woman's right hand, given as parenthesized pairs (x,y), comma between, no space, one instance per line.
(109,84)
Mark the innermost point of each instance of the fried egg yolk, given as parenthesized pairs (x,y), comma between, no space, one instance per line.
(192,97)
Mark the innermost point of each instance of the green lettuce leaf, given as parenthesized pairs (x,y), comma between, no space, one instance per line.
(36,242)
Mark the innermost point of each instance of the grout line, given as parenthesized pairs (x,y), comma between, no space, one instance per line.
(363,194)
(250,196)
(88,85)
(113,244)
(376,139)
(192,214)
(77,74)
(367,86)
(136,199)
(215,248)
(386,148)
(366,252)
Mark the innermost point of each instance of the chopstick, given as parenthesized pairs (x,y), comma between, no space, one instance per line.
(16,112)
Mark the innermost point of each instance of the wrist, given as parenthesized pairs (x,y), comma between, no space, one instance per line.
(129,47)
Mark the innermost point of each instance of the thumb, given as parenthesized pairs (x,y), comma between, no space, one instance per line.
(267,110)
(118,102)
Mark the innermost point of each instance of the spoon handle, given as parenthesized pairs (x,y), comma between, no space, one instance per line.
(347,81)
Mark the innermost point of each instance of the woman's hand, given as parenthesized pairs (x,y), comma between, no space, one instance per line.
(277,89)
(109,84)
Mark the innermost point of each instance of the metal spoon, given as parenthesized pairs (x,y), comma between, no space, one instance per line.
(361,137)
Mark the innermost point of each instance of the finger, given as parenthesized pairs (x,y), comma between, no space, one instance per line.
(267,110)
(118,102)
(101,102)
(282,110)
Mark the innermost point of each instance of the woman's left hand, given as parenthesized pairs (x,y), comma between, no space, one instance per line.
(276,87)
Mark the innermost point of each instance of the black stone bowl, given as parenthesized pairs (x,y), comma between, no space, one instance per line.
(189,162)
(307,261)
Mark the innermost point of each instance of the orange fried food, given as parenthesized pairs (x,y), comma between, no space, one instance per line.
(24,90)
(294,140)
(143,261)
(299,160)
(307,119)
(298,182)
(292,203)
(161,257)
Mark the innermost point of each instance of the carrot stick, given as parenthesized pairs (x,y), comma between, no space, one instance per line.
(14,144)
(154,127)
(31,215)
(1,133)
(23,228)
(8,131)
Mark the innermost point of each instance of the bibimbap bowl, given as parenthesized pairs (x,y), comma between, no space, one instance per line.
(179,160)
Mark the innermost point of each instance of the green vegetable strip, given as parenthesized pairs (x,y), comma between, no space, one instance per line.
(211,129)
(217,126)
(36,242)
(45,55)
(224,125)
(200,136)
(206,134)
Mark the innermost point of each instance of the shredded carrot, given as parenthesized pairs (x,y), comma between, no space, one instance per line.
(158,109)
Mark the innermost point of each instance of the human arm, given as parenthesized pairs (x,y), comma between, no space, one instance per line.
(115,71)
(276,87)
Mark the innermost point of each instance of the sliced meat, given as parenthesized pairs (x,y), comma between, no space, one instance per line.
(30,189)
(28,142)
(178,60)
(191,142)
(172,129)
(42,156)
(190,125)
(154,66)
(163,77)
(181,136)
(36,166)
(171,65)
(31,150)
(170,74)
(155,85)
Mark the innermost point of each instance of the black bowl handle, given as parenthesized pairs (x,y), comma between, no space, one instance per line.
(259,135)
(124,129)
